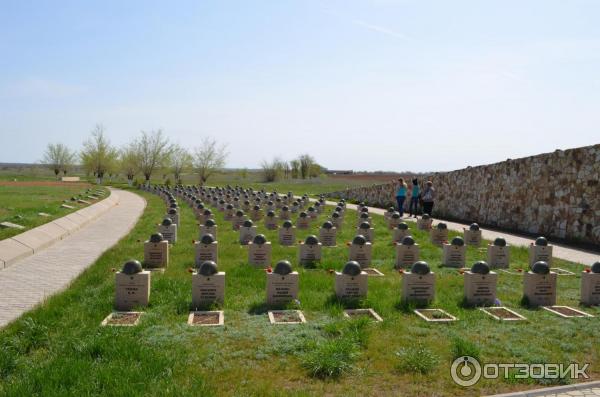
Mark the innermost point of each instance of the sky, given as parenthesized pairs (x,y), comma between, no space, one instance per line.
(367,85)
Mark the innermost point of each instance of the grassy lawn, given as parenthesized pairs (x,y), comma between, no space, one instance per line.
(59,348)
(21,203)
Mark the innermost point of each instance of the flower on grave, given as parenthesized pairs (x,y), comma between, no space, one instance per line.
(461,271)
(331,271)
(297,302)
(588,270)
(401,271)
(269,269)
(190,270)
(113,270)
(497,302)
(348,244)
(520,270)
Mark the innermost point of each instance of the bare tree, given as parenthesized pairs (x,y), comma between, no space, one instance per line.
(181,160)
(208,158)
(58,158)
(129,161)
(295,166)
(272,170)
(305,162)
(98,156)
(154,151)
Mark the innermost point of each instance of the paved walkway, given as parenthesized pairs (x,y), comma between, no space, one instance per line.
(586,389)
(560,251)
(30,281)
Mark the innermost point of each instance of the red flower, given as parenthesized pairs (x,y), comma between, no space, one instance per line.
(401,271)
(348,244)
(190,270)
(331,271)
(269,269)
(519,270)
(587,270)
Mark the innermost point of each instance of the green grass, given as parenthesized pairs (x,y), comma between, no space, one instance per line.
(21,204)
(59,348)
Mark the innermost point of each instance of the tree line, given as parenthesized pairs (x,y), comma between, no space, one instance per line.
(144,155)
(303,167)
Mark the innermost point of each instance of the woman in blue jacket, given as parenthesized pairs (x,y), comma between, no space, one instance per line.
(401,196)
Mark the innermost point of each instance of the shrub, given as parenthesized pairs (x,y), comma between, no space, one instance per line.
(330,359)
(416,359)
(463,347)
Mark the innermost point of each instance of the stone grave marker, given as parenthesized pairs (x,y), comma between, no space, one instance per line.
(540,251)
(238,220)
(132,286)
(10,225)
(168,230)
(366,230)
(337,220)
(282,284)
(352,282)
(206,250)
(424,222)
(259,252)
(388,214)
(539,285)
(454,253)
(287,234)
(498,254)
(284,213)
(400,232)
(174,215)
(271,220)
(418,285)
(247,232)
(208,285)
(328,234)
(480,285)
(229,212)
(156,252)
(407,252)
(361,251)
(473,235)
(256,214)
(209,227)
(590,285)
(303,221)
(309,251)
(439,234)
(364,217)
(393,221)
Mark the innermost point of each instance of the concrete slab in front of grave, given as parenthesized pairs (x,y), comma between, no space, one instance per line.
(10,225)
(372,272)
(212,318)
(36,239)
(122,319)
(435,315)
(562,272)
(43,214)
(286,317)
(502,313)
(353,313)
(11,251)
(67,206)
(566,311)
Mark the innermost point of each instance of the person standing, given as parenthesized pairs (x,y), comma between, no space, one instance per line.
(401,196)
(428,198)
(414,198)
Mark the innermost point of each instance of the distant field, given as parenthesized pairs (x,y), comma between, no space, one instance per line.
(20,202)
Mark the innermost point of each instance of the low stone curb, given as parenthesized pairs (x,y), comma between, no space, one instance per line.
(27,243)
(555,391)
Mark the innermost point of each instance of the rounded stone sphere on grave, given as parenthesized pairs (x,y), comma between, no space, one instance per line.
(335,215)
(132,267)
(364,209)
(474,227)
(458,241)
(173,211)
(596,267)
(351,268)
(408,240)
(210,223)
(167,222)
(208,268)
(395,215)
(259,239)
(500,242)
(303,214)
(361,204)
(173,205)
(285,208)
(421,268)
(229,206)
(311,209)
(365,225)
(426,216)
(256,208)
(156,238)
(207,239)
(403,226)
(359,240)
(441,226)
(317,204)
(540,267)
(311,240)
(269,203)
(364,215)
(248,223)
(283,268)
(271,214)
(200,206)
(480,267)
(207,212)
(239,213)
(287,224)
(246,202)
(541,241)
(391,209)
(328,225)
(295,204)
(338,209)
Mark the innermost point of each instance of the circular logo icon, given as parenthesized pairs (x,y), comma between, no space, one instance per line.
(465,371)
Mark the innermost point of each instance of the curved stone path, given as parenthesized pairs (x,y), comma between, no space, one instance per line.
(31,280)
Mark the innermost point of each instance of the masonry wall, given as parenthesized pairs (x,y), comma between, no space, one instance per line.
(553,194)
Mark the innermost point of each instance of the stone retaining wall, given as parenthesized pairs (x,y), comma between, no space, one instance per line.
(554,194)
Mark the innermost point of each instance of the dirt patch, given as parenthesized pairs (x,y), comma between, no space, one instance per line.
(45,183)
